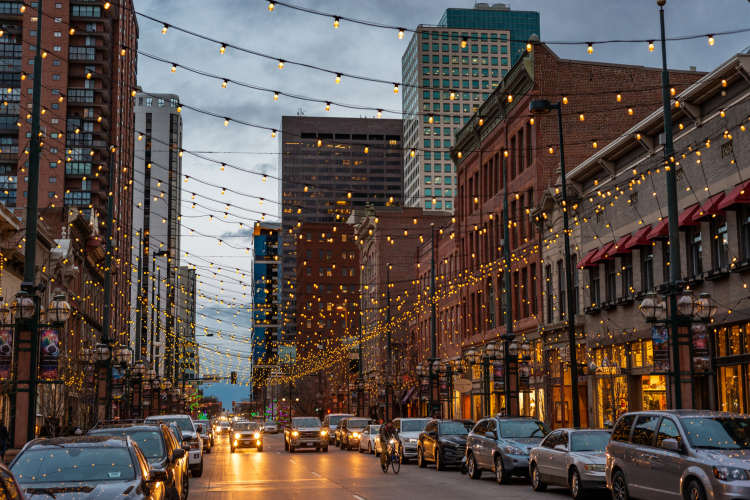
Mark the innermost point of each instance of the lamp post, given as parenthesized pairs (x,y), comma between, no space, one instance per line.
(491,353)
(105,356)
(389,371)
(540,107)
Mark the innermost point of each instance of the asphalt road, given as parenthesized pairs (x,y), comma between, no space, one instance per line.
(309,475)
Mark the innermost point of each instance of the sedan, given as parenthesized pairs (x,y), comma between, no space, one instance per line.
(442,442)
(270,428)
(571,458)
(100,467)
(367,441)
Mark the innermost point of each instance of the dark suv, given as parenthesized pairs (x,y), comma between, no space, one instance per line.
(159,447)
(442,442)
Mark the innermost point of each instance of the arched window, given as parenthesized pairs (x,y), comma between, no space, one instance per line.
(491,307)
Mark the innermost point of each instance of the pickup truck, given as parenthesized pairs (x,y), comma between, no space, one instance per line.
(305,432)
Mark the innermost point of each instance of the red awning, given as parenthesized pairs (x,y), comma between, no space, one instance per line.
(660,230)
(640,238)
(686,217)
(740,194)
(605,253)
(586,261)
(709,207)
(621,245)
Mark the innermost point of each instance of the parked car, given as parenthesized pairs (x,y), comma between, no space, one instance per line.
(207,433)
(159,447)
(572,458)
(270,427)
(408,436)
(501,444)
(468,423)
(367,440)
(330,422)
(304,432)
(246,435)
(351,432)
(190,435)
(694,454)
(101,467)
(9,486)
(442,442)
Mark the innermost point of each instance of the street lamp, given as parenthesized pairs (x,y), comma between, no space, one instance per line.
(652,307)
(58,310)
(707,307)
(473,358)
(22,306)
(687,305)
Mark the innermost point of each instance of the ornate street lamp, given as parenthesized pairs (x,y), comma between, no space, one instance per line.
(435,366)
(139,369)
(472,356)
(85,354)
(101,353)
(4,311)
(513,349)
(652,308)
(22,306)
(706,307)
(491,349)
(526,350)
(58,310)
(420,370)
(687,305)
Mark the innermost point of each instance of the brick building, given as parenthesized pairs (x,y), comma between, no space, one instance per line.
(593,113)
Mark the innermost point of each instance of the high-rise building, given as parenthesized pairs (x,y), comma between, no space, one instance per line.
(188,361)
(266,326)
(87,109)
(467,54)
(156,207)
(328,167)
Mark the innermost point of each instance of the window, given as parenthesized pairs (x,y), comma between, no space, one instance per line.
(491,307)
(695,251)
(647,267)
(53,179)
(667,430)
(56,63)
(643,432)
(320,271)
(57,48)
(611,276)
(720,241)
(627,274)
(58,34)
(561,286)
(329,272)
(149,101)
(594,278)
(548,291)
(51,194)
(55,77)
(621,431)
(309,271)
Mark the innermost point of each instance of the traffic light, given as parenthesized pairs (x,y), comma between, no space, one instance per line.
(234,378)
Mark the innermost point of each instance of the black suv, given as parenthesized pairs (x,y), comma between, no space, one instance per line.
(442,442)
(159,447)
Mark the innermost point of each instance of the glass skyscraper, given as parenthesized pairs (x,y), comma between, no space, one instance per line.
(434,65)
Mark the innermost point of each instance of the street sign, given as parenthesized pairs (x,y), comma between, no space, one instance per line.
(462,385)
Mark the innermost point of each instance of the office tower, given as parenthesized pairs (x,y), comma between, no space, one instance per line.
(87,109)
(156,208)
(188,360)
(467,54)
(266,326)
(328,167)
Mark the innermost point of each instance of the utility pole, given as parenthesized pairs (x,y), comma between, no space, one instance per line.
(158,312)
(139,311)
(433,324)
(509,335)
(389,373)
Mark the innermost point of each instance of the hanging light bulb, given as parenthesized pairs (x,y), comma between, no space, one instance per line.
(88,75)
(672,91)
(179,108)
(306,187)
(264,178)
(595,145)
(281,63)
(174,68)
(565,100)
(650,45)
(710,39)
(551,150)
(181,151)
(328,106)
(338,78)
(224,84)
(335,22)
(619,97)
(413,153)
(226,121)
(453,95)
(481,122)
(630,111)
(531,122)
(222,167)
(581,117)
(273,133)
(106,5)
(367,150)
(380,113)
(510,98)
(400,33)
(275,96)
(349,194)
(164,29)
(463,42)
(123,51)
(591,49)
(72,31)
(529,47)
(459,154)
(723,83)
(270,6)
(395,88)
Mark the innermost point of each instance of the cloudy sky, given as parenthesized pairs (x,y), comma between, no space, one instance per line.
(296,36)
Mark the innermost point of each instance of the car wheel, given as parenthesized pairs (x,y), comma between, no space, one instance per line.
(369,448)
(260,448)
(537,483)
(359,448)
(199,471)
(325,449)
(576,489)
(438,460)
(286,445)
(696,491)
(174,495)
(500,475)
(474,471)
(401,458)
(620,487)
(185,487)
(231,450)
(291,449)
(420,459)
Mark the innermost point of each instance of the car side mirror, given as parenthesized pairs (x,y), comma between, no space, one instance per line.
(490,435)
(186,447)
(671,445)
(157,475)
(178,453)
(432,433)
(199,428)
(561,447)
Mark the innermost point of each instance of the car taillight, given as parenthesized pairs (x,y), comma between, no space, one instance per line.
(194,445)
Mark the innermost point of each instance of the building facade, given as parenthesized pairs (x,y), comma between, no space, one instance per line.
(266,292)
(329,167)
(621,251)
(187,356)
(467,54)
(157,197)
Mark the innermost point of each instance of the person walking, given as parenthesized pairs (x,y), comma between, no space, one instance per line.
(4,439)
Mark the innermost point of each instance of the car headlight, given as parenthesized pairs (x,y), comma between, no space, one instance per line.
(237,436)
(410,440)
(730,474)
(514,450)
(295,433)
(256,435)
(392,441)
(323,433)
(595,467)
(355,434)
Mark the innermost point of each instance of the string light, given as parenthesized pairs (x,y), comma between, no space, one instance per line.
(630,111)
(223,48)
(581,117)
(270,6)
(281,63)
(591,48)
(595,145)
(224,84)
(328,106)
(72,31)
(335,22)
(430,119)
(400,33)
(338,78)
(174,68)
(551,151)
(164,29)
(380,113)
(710,39)
(463,42)
(226,121)
(619,97)
(275,96)
(273,133)
(723,83)
(565,100)
(510,98)
(650,45)
(531,122)
(481,122)
(395,88)
(529,47)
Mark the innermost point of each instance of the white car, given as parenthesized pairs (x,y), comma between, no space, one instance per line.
(367,439)
(270,428)
(408,436)
(191,434)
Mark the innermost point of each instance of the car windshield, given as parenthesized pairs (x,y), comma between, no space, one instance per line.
(334,421)
(185,424)
(468,424)
(306,422)
(57,465)
(270,423)
(513,429)
(358,424)
(150,442)
(374,429)
(223,424)
(246,426)
(589,440)
(453,428)
(413,425)
(720,433)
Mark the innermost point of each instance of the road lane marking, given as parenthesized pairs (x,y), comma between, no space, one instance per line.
(316,473)
(359,497)
(292,461)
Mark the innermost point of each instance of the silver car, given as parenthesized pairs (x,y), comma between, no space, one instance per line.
(367,441)
(572,458)
(270,428)
(678,454)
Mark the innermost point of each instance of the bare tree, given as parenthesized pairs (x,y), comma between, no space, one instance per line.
(613,394)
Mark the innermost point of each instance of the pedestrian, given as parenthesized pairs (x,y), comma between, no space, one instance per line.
(4,439)
(77,431)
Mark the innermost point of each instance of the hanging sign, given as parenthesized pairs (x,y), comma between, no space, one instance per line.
(462,385)
(49,353)
(6,352)
(701,361)
(660,337)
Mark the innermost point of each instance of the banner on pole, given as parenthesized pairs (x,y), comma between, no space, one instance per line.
(49,353)
(660,337)
(524,371)
(6,352)
(701,361)
(498,376)
(117,382)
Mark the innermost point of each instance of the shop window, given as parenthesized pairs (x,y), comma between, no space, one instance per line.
(721,342)
(548,291)
(743,217)
(695,252)
(636,354)
(734,341)
(561,287)
(648,348)
(654,391)
(613,398)
(730,392)
(719,241)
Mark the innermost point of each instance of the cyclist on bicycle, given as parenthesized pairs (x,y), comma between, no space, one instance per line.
(387,432)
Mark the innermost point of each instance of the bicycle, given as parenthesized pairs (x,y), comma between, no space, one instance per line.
(391,458)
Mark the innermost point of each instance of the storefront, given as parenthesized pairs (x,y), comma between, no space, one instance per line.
(561,404)
(733,367)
